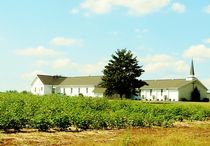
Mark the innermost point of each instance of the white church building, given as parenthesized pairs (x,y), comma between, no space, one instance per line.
(156,90)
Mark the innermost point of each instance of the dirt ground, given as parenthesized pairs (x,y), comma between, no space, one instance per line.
(185,133)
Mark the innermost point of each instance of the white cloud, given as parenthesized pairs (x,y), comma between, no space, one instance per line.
(141,31)
(179,8)
(199,51)
(85,69)
(207,9)
(92,69)
(62,41)
(63,64)
(31,75)
(41,63)
(208,40)
(66,64)
(181,66)
(74,11)
(135,7)
(39,51)
(99,6)
(163,62)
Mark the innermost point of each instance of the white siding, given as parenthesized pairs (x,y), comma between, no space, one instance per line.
(173,95)
(159,94)
(76,90)
(37,87)
(47,89)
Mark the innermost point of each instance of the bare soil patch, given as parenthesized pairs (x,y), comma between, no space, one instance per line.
(183,133)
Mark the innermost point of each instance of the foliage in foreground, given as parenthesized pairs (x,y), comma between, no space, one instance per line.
(19,111)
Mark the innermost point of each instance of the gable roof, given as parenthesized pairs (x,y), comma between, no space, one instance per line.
(83,80)
(99,90)
(165,83)
(60,80)
(96,80)
(51,80)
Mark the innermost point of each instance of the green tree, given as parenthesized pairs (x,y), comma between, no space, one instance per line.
(121,75)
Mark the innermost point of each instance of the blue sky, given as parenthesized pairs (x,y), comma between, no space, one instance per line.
(77,37)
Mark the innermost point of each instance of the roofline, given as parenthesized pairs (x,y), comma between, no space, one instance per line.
(51,75)
(92,85)
(83,76)
(202,84)
(164,79)
(161,88)
(69,76)
(34,80)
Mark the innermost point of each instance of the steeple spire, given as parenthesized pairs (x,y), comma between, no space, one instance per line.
(191,76)
(192,72)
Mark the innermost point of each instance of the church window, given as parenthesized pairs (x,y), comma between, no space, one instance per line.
(150,92)
(53,90)
(161,92)
(86,90)
(140,92)
(165,97)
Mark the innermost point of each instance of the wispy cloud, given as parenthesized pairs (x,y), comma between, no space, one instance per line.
(207,9)
(163,62)
(178,7)
(65,64)
(93,69)
(41,63)
(74,11)
(38,51)
(135,7)
(62,41)
(31,75)
(208,40)
(199,51)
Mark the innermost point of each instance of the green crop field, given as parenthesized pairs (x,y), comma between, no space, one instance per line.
(18,111)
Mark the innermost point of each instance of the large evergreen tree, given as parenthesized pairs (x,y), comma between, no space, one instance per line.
(121,75)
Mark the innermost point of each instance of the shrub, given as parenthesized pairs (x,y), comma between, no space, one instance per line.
(42,123)
(184,99)
(205,100)
(18,110)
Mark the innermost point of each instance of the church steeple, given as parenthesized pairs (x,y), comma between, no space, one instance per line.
(192,72)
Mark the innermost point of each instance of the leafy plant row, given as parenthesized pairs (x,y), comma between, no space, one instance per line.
(19,111)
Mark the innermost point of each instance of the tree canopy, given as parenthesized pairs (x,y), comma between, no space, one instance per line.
(121,75)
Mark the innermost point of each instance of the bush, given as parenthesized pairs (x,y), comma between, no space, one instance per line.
(20,110)
(184,99)
(42,123)
(205,100)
